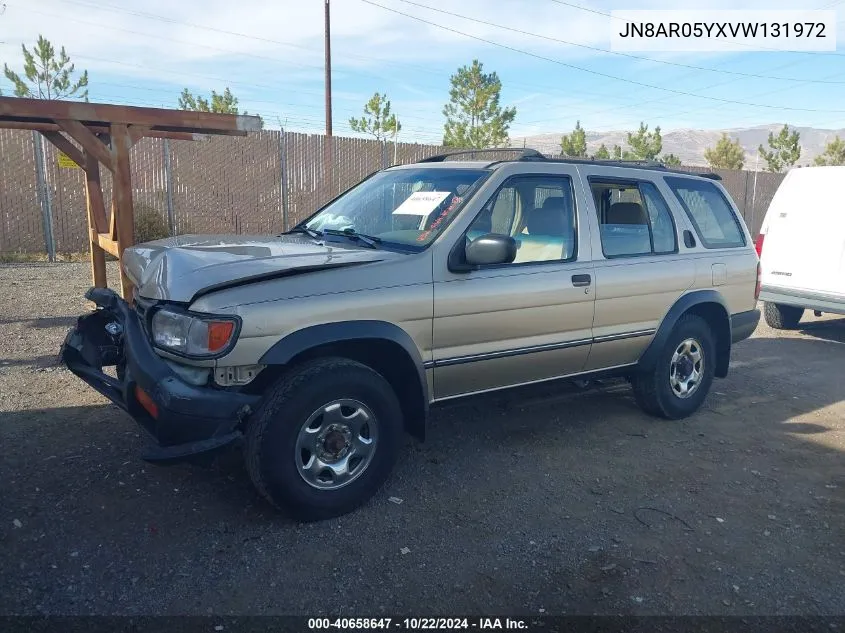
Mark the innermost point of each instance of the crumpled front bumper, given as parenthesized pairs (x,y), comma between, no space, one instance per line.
(185,420)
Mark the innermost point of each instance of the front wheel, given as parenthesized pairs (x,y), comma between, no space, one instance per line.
(679,381)
(325,439)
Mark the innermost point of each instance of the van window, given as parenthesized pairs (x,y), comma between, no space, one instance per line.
(710,213)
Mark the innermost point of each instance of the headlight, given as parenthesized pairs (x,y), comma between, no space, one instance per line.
(193,335)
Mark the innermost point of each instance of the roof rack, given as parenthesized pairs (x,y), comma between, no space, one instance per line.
(525,154)
(529,154)
(642,164)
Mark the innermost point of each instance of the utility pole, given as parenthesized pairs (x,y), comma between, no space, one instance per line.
(328,158)
(328,40)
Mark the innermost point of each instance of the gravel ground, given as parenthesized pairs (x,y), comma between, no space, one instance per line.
(559,502)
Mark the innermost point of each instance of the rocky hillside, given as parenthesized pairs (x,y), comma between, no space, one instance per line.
(689,145)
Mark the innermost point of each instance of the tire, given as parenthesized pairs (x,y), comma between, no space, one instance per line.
(277,467)
(653,388)
(782,317)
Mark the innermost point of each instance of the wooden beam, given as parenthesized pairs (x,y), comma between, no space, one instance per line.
(137,132)
(94,193)
(122,188)
(64,145)
(108,245)
(49,111)
(104,129)
(96,218)
(90,143)
(98,265)
(112,224)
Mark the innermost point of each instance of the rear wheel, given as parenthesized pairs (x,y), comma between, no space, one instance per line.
(681,377)
(782,317)
(325,439)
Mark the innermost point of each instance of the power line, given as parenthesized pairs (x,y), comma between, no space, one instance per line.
(100,25)
(609,52)
(227,82)
(634,120)
(381,60)
(596,72)
(662,99)
(281,43)
(762,94)
(718,84)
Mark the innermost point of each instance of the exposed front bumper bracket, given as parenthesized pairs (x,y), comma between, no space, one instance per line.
(189,420)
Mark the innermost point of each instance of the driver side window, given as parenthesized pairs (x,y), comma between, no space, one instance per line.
(538,212)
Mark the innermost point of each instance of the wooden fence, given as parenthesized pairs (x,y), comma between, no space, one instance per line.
(258,184)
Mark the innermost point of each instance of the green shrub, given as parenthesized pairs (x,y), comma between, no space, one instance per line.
(149,224)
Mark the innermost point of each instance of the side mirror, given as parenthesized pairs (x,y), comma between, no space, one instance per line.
(491,249)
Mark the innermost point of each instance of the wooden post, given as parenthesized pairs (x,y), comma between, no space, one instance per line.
(124,216)
(96,218)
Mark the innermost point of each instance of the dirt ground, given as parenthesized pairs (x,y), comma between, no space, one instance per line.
(559,502)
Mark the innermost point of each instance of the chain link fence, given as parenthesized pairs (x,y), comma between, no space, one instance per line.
(260,184)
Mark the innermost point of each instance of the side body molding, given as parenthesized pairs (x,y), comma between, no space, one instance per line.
(707,303)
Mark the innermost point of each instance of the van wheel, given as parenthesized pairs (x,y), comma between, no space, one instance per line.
(681,377)
(325,439)
(782,317)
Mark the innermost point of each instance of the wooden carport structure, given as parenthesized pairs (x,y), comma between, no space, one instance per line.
(105,134)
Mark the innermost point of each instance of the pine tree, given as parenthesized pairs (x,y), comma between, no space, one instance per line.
(834,153)
(378,120)
(726,154)
(474,118)
(575,144)
(785,150)
(645,145)
(47,75)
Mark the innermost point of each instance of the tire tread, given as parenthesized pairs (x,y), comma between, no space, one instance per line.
(647,384)
(782,317)
(279,393)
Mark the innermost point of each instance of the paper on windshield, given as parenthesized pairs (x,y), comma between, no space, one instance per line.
(421,203)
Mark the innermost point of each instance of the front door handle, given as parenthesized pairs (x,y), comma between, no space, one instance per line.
(581,280)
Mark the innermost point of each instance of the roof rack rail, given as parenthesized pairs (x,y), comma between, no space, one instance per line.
(525,154)
(529,154)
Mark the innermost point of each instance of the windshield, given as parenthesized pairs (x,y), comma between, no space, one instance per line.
(403,206)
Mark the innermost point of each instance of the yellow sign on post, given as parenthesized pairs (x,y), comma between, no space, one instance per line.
(66,162)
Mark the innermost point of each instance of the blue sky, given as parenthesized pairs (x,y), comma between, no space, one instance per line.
(270,54)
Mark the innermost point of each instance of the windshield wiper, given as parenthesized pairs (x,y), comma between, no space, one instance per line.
(369,240)
(304,229)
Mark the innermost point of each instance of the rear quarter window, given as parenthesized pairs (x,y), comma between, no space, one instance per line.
(709,211)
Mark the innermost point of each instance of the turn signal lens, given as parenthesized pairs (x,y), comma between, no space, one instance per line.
(190,334)
(145,401)
(219,333)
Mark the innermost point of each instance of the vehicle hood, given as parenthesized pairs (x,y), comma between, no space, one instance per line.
(183,268)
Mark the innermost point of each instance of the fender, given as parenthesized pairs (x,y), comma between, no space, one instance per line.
(681,306)
(313,336)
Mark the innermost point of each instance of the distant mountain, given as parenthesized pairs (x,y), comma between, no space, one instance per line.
(689,144)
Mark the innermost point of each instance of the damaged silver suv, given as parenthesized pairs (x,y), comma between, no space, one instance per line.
(318,348)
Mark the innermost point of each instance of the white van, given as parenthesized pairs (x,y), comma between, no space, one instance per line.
(802,247)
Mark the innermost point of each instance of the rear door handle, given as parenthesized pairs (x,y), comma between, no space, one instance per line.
(581,280)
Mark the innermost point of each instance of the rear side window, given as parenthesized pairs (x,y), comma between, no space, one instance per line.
(710,213)
(633,218)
